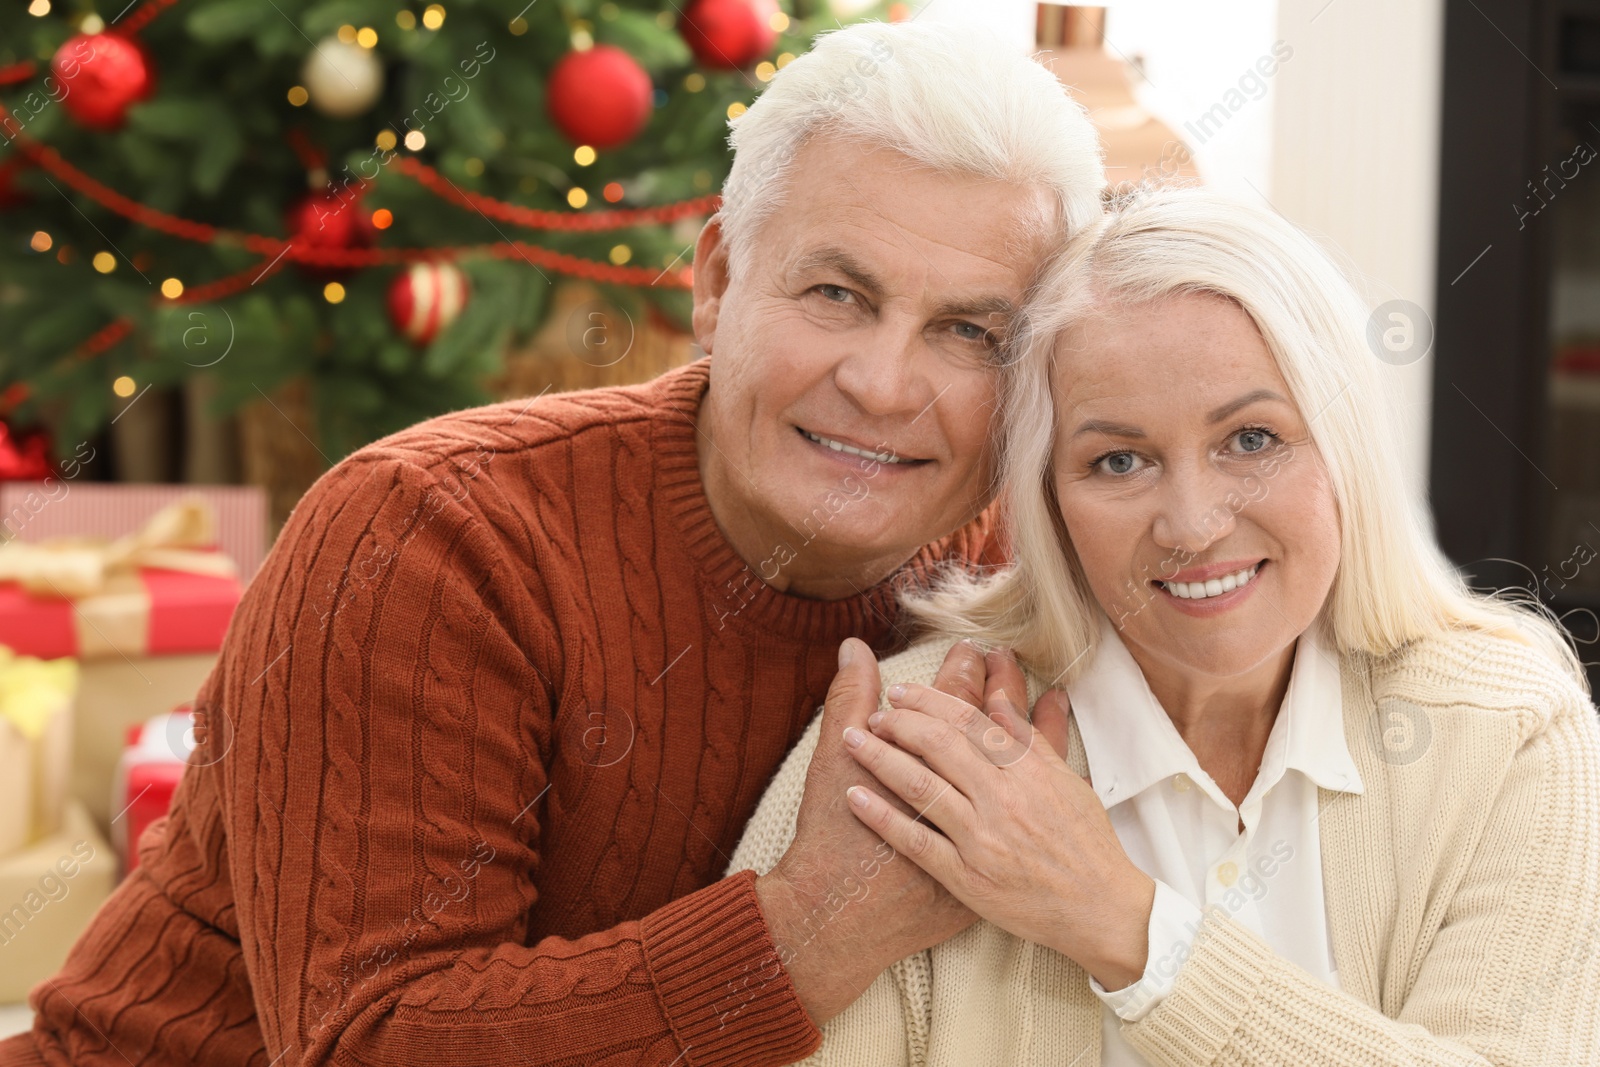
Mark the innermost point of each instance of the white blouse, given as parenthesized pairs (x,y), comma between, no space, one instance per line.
(1179,828)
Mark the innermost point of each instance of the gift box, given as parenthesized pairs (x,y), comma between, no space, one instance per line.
(48,893)
(35,746)
(144,615)
(147,775)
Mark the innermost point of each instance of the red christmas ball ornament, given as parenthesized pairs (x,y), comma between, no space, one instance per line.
(24,455)
(599,97)
(103,75)
(729,34)
(425,298)
(326,220)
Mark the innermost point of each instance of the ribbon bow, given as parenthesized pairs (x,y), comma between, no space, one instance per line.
(175,538)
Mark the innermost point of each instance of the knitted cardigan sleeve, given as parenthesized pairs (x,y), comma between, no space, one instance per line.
(1512,976)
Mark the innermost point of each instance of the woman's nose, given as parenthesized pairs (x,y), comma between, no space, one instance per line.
(1193,513)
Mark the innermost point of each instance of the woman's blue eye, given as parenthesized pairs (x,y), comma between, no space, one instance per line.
(1119,462)
(1253,440)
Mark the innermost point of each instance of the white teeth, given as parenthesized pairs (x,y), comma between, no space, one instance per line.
(1214,587)
(839,446)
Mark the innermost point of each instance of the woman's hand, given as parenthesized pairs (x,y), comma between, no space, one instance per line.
(1025,842)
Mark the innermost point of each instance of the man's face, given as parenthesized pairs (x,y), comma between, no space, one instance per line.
(867,321)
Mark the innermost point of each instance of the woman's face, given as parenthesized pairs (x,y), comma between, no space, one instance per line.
(1202,515)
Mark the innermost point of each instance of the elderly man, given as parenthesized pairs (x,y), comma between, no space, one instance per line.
(499,704)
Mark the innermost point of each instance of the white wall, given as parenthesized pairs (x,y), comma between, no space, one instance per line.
(1356,159)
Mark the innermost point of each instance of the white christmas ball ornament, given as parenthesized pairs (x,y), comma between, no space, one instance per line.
(343,80)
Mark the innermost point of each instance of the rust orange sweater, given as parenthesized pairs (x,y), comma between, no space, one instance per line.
(485,730)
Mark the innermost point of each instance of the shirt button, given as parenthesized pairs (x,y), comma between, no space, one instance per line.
(1181,783)
(1228,873)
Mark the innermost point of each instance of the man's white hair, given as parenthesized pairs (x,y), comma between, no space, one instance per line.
(953,98)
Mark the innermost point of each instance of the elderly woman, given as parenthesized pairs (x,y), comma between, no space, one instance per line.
(1291,793)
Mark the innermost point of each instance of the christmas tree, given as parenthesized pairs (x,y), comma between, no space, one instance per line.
(371,200)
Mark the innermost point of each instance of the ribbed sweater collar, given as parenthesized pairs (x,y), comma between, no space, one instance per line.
(721,570)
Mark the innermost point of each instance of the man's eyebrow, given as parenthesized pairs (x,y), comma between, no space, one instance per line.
(978,308)
(839,260)
(1118,429)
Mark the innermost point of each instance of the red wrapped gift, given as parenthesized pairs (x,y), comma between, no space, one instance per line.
(147,776)
(145,614)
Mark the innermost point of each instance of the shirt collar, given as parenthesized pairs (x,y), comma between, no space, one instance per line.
(1131,744)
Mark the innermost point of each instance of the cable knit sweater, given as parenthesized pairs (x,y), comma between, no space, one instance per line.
(494,714)
(1463,891)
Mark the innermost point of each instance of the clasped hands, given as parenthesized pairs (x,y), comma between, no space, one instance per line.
(1003,822)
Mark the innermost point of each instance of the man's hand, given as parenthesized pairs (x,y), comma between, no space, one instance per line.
(840,904)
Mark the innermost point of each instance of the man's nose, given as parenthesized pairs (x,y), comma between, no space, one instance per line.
(1193,513)
(881,373)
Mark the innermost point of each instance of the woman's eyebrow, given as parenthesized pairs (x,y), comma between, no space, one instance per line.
(1243,402)
(1118,429)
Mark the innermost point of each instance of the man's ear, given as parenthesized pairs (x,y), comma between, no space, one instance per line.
(711,279)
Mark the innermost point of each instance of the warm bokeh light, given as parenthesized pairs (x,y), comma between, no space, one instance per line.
(172,288)
(620,254)
(41,241)
(765,71)
(405,20)
(124,386)
(518,26)
(612,192)
(695,82)
(415,140)
(736,109)
(583,155)
(778,21)
(92,24)
(39,8)
(333,292)
(383,218)
(577,197)
(582,40)
(298,95)
(433,16)
(367,37)
(784,59)
(347,33)
(385,140)
(104,262)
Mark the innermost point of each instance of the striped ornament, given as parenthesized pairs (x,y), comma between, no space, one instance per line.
(425,298)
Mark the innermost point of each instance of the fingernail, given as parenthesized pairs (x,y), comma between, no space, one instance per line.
(846,653)
(876,719)
(853,737)
(896,691)
(858,796)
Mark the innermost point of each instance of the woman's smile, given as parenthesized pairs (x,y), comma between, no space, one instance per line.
(1212,596)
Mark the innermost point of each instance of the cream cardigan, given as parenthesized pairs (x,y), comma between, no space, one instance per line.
(1463,892)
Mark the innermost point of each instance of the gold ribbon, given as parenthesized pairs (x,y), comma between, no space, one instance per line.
(74,568)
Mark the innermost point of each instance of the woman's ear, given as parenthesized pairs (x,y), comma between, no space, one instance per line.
(711,277)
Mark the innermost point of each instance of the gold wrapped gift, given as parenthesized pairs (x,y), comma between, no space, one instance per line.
(35,745)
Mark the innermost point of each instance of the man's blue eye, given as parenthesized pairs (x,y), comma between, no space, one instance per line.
(971,331)
(836,293)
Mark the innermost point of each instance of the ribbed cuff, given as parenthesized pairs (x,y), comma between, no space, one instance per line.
(1215,991)
(20,1051)
(721,985)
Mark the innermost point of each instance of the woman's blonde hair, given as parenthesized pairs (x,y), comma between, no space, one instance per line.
(1393,585)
